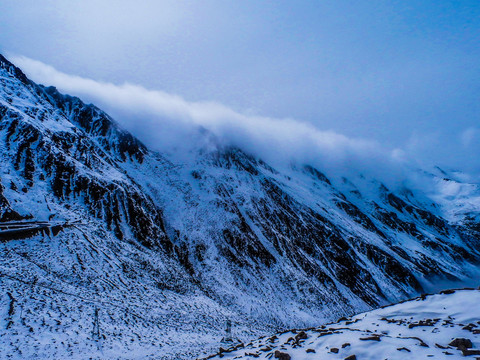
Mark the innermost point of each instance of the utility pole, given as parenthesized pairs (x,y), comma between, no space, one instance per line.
(228,337)
(96,325)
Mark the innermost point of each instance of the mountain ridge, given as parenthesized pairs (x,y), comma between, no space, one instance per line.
(271,248)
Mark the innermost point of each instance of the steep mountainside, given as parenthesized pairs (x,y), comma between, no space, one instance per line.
(168,249)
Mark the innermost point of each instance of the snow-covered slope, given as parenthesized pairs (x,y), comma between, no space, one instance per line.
(441,326)
(168,248)
(106,249)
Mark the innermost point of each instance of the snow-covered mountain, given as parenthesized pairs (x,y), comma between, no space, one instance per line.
(441,326)
(167,248)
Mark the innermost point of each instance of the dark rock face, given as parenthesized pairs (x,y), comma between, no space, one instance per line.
(13,71)
(6,212)
(71,164)
(94,122)
(317,174)
(358,216)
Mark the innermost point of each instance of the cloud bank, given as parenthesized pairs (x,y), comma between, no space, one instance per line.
(167,122)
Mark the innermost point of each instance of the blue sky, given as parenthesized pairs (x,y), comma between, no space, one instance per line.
(402,73)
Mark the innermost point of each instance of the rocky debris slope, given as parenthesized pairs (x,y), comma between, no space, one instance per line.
(441,326)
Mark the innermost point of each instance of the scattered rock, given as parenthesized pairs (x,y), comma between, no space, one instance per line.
(310,351)
(467,352)
(422,343)
(239,346)
(427,322)
(351,357)
(469,327)
(403,349)
(373,337)
(281,355)
(273,338)
(334,350)
(325,333)
(461,343)
(302,335)
(447,292)
(345,345)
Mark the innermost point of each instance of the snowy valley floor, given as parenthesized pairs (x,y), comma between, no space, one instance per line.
(422,328)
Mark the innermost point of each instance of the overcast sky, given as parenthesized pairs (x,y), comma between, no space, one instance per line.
(405,74)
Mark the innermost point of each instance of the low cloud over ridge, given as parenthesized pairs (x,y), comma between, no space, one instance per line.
(165,121)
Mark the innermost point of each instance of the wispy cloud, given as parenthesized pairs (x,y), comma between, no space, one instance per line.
(166,121)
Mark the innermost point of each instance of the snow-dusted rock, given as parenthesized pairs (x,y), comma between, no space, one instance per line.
(441,326)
